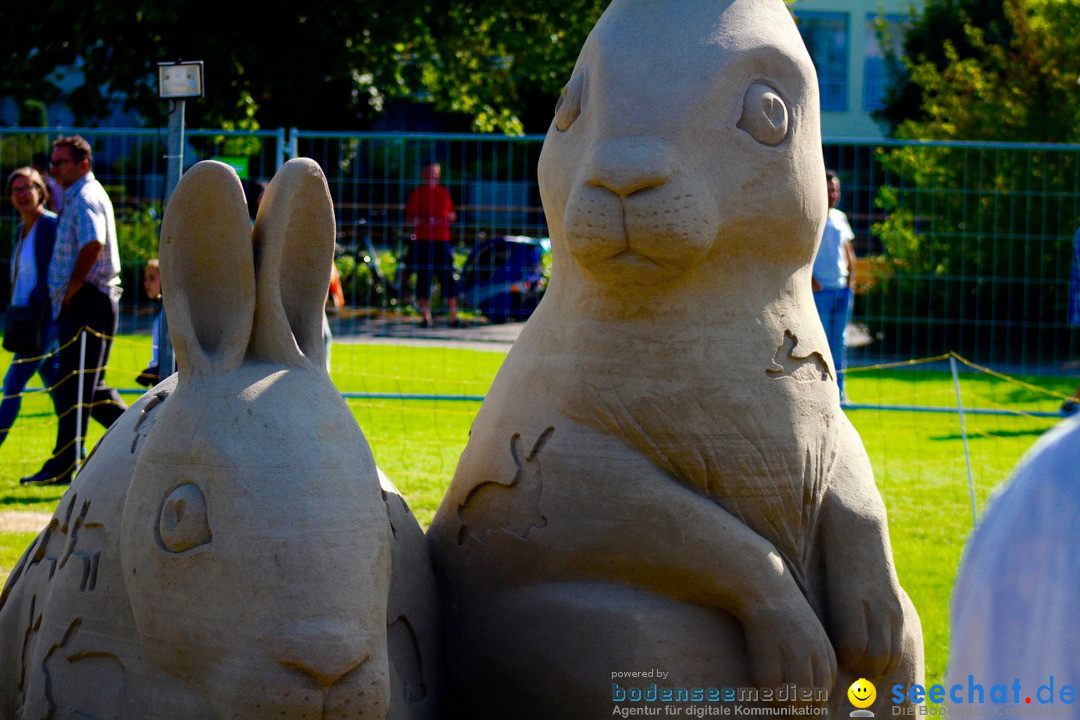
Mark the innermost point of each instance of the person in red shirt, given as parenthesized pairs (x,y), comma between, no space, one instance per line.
(430,211)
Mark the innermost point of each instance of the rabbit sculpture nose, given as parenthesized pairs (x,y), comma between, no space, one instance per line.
(322,654)
(628,165)
(324,672)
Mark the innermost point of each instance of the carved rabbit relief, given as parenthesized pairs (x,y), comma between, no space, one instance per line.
(697,502)
(230,548)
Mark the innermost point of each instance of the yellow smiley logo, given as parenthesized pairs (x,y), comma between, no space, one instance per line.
(862,693)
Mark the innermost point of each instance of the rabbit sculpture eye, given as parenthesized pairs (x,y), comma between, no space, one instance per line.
(183,524)
(765,115)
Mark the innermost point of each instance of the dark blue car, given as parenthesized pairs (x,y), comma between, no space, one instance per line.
(503,277)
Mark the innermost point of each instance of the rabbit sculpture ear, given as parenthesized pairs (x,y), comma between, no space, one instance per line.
(294,248)
(207,269)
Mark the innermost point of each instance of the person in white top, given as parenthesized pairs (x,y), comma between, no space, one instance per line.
(832,279)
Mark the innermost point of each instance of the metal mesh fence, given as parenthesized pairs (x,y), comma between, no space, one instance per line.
(131,165)
(492,182)
(962,247)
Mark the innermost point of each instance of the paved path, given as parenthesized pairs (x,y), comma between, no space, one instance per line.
(12,521)
(17,521)
(360,325)
(389,328)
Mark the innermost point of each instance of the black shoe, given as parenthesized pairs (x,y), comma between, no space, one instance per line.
(426,323)
(1070,407)
(43,477)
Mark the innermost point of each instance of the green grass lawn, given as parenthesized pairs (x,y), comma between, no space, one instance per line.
(918,458)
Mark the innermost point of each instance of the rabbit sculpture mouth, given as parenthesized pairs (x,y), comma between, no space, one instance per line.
(634,212)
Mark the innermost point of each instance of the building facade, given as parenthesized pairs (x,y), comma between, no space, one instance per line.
(843,41)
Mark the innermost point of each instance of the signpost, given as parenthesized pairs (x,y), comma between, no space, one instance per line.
(177,81)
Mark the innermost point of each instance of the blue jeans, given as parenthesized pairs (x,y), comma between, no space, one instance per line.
(18,375)
(834,307)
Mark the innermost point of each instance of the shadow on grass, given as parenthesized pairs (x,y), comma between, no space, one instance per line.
(1015,390)
(29,499)
(44,414)
(996,435)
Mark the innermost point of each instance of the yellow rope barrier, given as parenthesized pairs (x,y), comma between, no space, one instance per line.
(974,366)
(900,364)
(1014,381)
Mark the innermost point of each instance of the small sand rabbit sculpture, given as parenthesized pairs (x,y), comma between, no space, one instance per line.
(226,552)
(705,511)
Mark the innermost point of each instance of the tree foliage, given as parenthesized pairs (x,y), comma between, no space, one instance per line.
(941,24)
(316,65)
(1003,71)
(972,230)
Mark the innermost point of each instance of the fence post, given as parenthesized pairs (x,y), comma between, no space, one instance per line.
(280,151)
(293,150)
(79,403)
(174,157)
(963,434)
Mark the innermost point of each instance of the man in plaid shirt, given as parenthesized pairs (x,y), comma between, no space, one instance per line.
(84,284)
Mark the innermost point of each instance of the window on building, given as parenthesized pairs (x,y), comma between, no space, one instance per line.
(826,37)
(888,29)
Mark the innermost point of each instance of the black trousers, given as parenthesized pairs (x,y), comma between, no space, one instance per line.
(95,310)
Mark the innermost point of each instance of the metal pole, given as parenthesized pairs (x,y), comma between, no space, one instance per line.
(963,433)
(175,151)
(280,151)
(79,404)
(293,143)
(173,170)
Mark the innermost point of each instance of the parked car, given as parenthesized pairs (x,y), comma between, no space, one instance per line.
(504,278)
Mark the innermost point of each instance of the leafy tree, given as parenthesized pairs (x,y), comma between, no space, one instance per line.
(316,65)
(970,230)
(32,114)
(1010,74)
(504,64)
(940,30)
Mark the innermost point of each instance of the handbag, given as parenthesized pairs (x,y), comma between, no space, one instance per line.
(25,328)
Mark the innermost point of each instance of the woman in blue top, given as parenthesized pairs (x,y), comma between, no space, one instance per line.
(34,242)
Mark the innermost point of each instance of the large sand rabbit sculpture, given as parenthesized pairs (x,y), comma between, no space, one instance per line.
(226,552)
(661,478)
